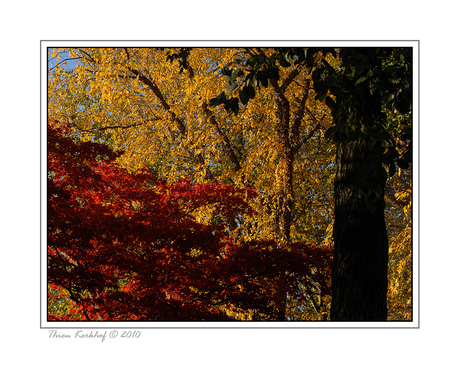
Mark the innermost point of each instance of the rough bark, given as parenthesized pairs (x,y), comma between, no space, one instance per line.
(359,277)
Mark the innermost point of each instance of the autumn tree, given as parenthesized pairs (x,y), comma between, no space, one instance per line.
(372,85)
(125,246)
(163,113)
(398,215)
(175,117)
(139,102)
(365,91)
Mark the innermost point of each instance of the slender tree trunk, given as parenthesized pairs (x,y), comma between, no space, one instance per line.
(359,276)
(283,218)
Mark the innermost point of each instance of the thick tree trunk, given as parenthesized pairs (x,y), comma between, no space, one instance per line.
(359,276)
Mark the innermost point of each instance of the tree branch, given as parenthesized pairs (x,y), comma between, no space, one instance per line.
(228,148)
(299,114)
(198,158)
(392,201)
(63,61)
(318,126)
(88,56)
(110,127)
(294,73)
(156,91)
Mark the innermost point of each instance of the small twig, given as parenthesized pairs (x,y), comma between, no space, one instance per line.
(110,127)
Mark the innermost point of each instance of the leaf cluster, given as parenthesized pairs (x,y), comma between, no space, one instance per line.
(257,69)
(181,56)
(370,97)
(126,246)
(369,83)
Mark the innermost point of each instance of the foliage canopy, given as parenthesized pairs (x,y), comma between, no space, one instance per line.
(234,118)
(125,246)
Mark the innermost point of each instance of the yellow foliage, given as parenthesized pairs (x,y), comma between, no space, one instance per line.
(399,298)
(140,103)
(137,101)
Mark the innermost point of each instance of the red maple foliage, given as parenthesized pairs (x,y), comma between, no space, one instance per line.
(126,246)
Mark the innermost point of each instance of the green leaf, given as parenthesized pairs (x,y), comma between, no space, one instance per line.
(321,97)
(246,94)
(226,71)
(284,63)
(218,100)
(360,80)
(243,96)
(329,68)
(329,102)
(255,61)
(391,169)
(402,164)
(273,73)
(408,157)
(231,86)
(405,83)
(371,143)
(262,78)
(251,92)
(233,105)
(330,132)
(331,81)
(316,75)
(236,73)
(390,97)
